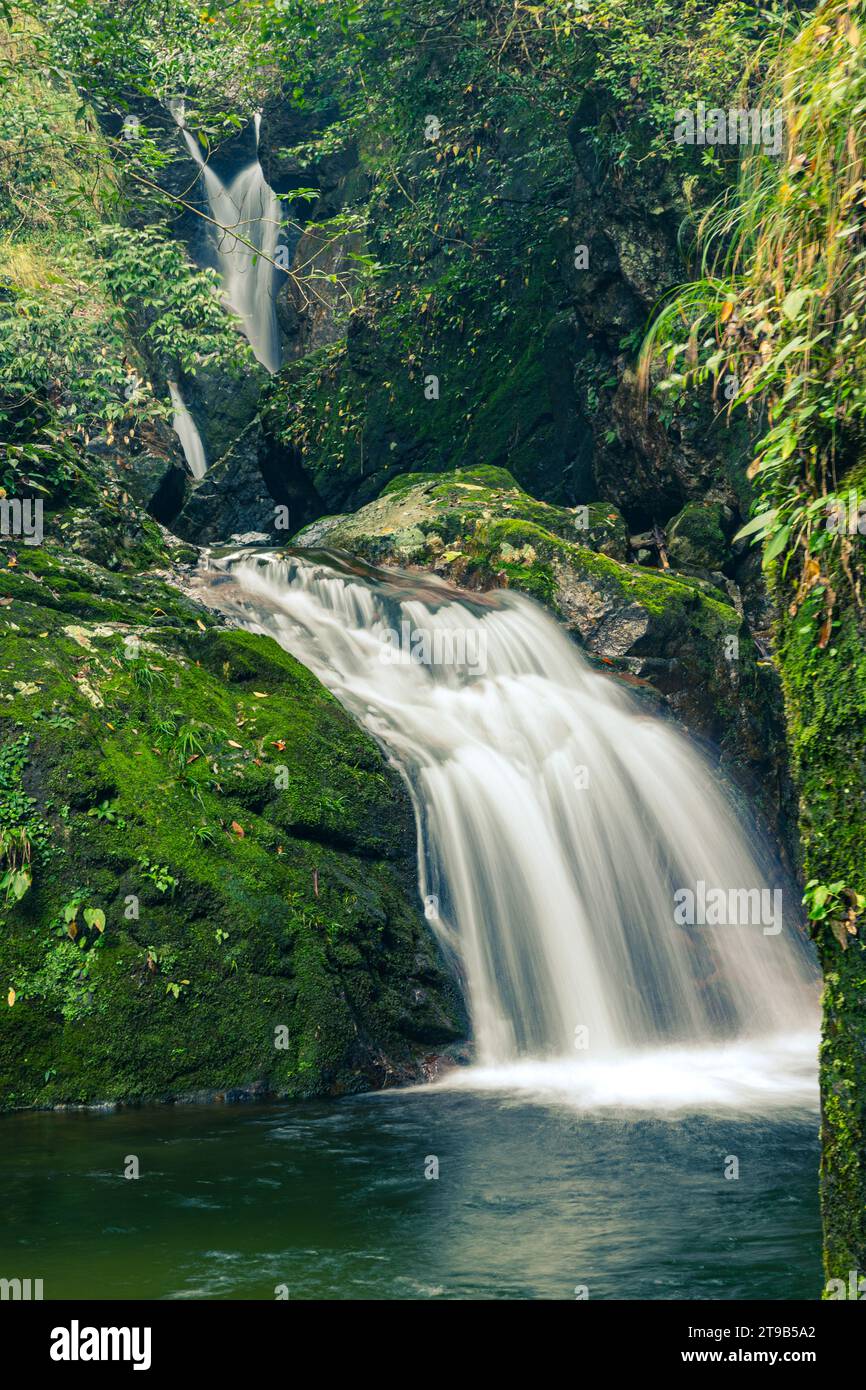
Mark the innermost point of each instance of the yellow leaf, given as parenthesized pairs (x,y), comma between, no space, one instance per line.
(811,570)
(200,624)
(10,998)
(260,695)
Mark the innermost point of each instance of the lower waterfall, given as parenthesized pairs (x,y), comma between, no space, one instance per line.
(574,850)
(187,432)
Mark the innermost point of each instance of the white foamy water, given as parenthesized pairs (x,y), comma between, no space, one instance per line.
(755,1076)
(556,820)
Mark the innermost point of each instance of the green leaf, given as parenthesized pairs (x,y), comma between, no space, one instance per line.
(777,544)
(95,917)
(793,302)
(16,882)
(762,522)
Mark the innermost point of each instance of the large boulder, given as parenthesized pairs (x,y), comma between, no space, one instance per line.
(222,895)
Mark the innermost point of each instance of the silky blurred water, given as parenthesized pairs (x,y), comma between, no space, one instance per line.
(534,1198)
(553,891)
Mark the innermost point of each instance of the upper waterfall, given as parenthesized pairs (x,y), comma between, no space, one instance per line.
(557,821)
(245,205)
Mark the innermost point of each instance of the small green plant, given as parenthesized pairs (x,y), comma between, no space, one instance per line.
(835,903)
(15,849)
(104,811)
(22,831)
(147,678)
(93,919)
(158,874)
(54,721)
(204,835)
(176,987)
(191,784)
(188,744)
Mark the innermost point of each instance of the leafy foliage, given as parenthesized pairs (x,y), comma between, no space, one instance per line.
(21,828)
(782,307)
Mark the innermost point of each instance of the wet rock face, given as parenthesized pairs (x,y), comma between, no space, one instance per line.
(148,466)
(223,404)
(308,320)
(254,487)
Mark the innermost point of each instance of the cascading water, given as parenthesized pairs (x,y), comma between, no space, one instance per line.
(556,822)
(248,206)
(186,430)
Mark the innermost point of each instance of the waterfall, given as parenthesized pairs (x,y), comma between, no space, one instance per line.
(187,432)
(556,819)
(248,205)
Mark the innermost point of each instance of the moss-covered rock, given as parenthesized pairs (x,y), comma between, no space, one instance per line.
(677,635)
(825,697)
(697,537)
(222,882)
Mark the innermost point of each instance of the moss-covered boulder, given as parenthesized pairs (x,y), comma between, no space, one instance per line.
(697,537)
(209,877)
(677,634)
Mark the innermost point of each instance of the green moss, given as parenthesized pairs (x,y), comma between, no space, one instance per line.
(696,536)
(483,475)
(825,695)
